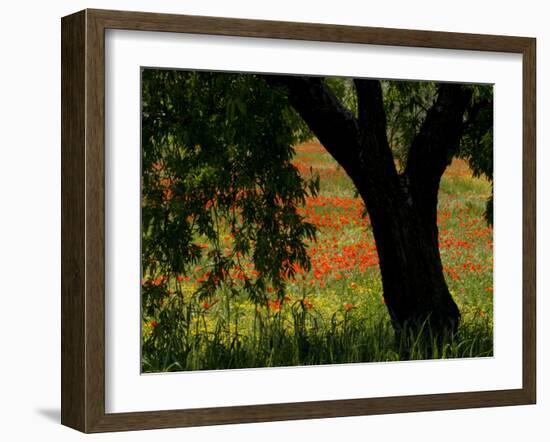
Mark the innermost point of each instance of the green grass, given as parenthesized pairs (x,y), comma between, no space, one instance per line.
(297,336)
(334,314)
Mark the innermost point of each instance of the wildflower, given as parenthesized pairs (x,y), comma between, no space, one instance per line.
(206,305)
(348,306)
(274,305)
(307,303)
(154,323)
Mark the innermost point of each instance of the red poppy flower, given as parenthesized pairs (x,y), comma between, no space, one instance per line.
(274,305)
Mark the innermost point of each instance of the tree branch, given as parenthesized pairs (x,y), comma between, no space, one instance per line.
(474,111)
(370,103)
(439,137)
(331,122)
(434,146)
(372,122)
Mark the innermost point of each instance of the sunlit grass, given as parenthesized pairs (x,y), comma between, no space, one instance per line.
(335,313)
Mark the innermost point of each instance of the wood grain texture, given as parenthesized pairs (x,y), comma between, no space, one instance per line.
(307,410)
(83,218)
(529,220)
(144,21)
(73,254)
(95,222)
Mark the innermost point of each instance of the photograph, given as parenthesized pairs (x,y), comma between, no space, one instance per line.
(297,220)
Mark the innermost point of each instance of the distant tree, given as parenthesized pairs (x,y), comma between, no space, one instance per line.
(217,151)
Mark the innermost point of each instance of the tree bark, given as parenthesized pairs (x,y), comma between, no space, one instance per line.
(402,208)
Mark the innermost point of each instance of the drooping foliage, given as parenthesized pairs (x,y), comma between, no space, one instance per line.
(218,187)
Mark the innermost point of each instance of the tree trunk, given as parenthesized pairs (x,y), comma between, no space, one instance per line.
(415,291)
(402,208)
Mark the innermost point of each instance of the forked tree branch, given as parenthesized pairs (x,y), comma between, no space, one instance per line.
(434,146)
(331,122)
(372,122)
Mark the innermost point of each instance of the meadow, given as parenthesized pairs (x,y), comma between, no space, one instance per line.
(334,313)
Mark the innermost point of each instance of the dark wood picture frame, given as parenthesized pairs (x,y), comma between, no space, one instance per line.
(83,215)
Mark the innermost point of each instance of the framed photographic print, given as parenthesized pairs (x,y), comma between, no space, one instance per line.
(267,220)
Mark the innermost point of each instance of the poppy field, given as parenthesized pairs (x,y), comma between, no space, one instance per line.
(333,313)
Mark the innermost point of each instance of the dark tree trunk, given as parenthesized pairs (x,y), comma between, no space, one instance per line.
(402,208)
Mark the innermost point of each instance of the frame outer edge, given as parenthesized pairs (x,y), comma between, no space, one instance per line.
(83,216)
(73,257)
(196,24)
(95,222)
(529,221)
